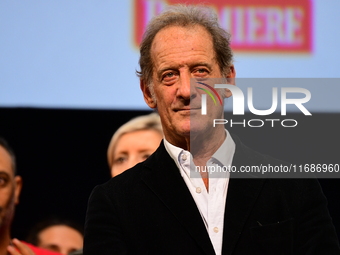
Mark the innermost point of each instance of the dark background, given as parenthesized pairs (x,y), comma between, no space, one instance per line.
(61,155)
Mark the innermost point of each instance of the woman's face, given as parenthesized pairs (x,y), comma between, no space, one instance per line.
(133,148)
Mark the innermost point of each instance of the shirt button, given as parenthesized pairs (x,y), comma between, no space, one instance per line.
(184,157)
(198,190)
(215,229)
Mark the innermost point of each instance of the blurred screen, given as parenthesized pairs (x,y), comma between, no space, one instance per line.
(84,54)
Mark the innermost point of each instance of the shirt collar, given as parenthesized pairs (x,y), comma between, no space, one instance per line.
(223,156)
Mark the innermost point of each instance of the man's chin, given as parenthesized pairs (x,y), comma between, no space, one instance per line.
(193,127)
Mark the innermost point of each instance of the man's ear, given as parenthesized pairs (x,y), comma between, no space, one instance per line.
(148,98)
(230,80)
(17,188)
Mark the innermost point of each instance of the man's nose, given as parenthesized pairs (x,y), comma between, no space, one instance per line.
(186,89)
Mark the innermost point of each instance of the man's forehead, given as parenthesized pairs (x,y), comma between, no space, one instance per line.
(170,39)
(175,31)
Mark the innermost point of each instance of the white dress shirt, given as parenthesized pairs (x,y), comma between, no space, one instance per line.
(210,204)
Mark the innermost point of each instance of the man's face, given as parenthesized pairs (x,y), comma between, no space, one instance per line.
(178,55)
(10,187)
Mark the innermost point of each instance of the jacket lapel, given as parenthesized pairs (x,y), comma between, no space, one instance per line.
(242,194)
(165,181)
(241,197)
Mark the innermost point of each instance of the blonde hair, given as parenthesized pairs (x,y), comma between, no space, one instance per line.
(144,122)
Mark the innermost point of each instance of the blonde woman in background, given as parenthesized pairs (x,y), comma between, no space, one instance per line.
(134,142)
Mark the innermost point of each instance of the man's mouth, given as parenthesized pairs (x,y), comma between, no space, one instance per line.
(187,109)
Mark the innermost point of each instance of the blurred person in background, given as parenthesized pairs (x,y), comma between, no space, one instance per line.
(10,188)
(134,142)
(58,235)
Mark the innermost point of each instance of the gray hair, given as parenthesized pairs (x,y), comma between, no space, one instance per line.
(144,122)
(185,16)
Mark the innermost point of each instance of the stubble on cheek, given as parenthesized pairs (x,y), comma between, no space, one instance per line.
(7,212)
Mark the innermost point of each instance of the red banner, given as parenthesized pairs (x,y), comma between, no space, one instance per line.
(255,26)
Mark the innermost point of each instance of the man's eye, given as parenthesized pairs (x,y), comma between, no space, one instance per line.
(3,181)
(201,71)
(169,75)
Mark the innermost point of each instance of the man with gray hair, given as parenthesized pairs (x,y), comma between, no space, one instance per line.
(159,206)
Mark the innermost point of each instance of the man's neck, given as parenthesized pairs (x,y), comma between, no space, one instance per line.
(202,147)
